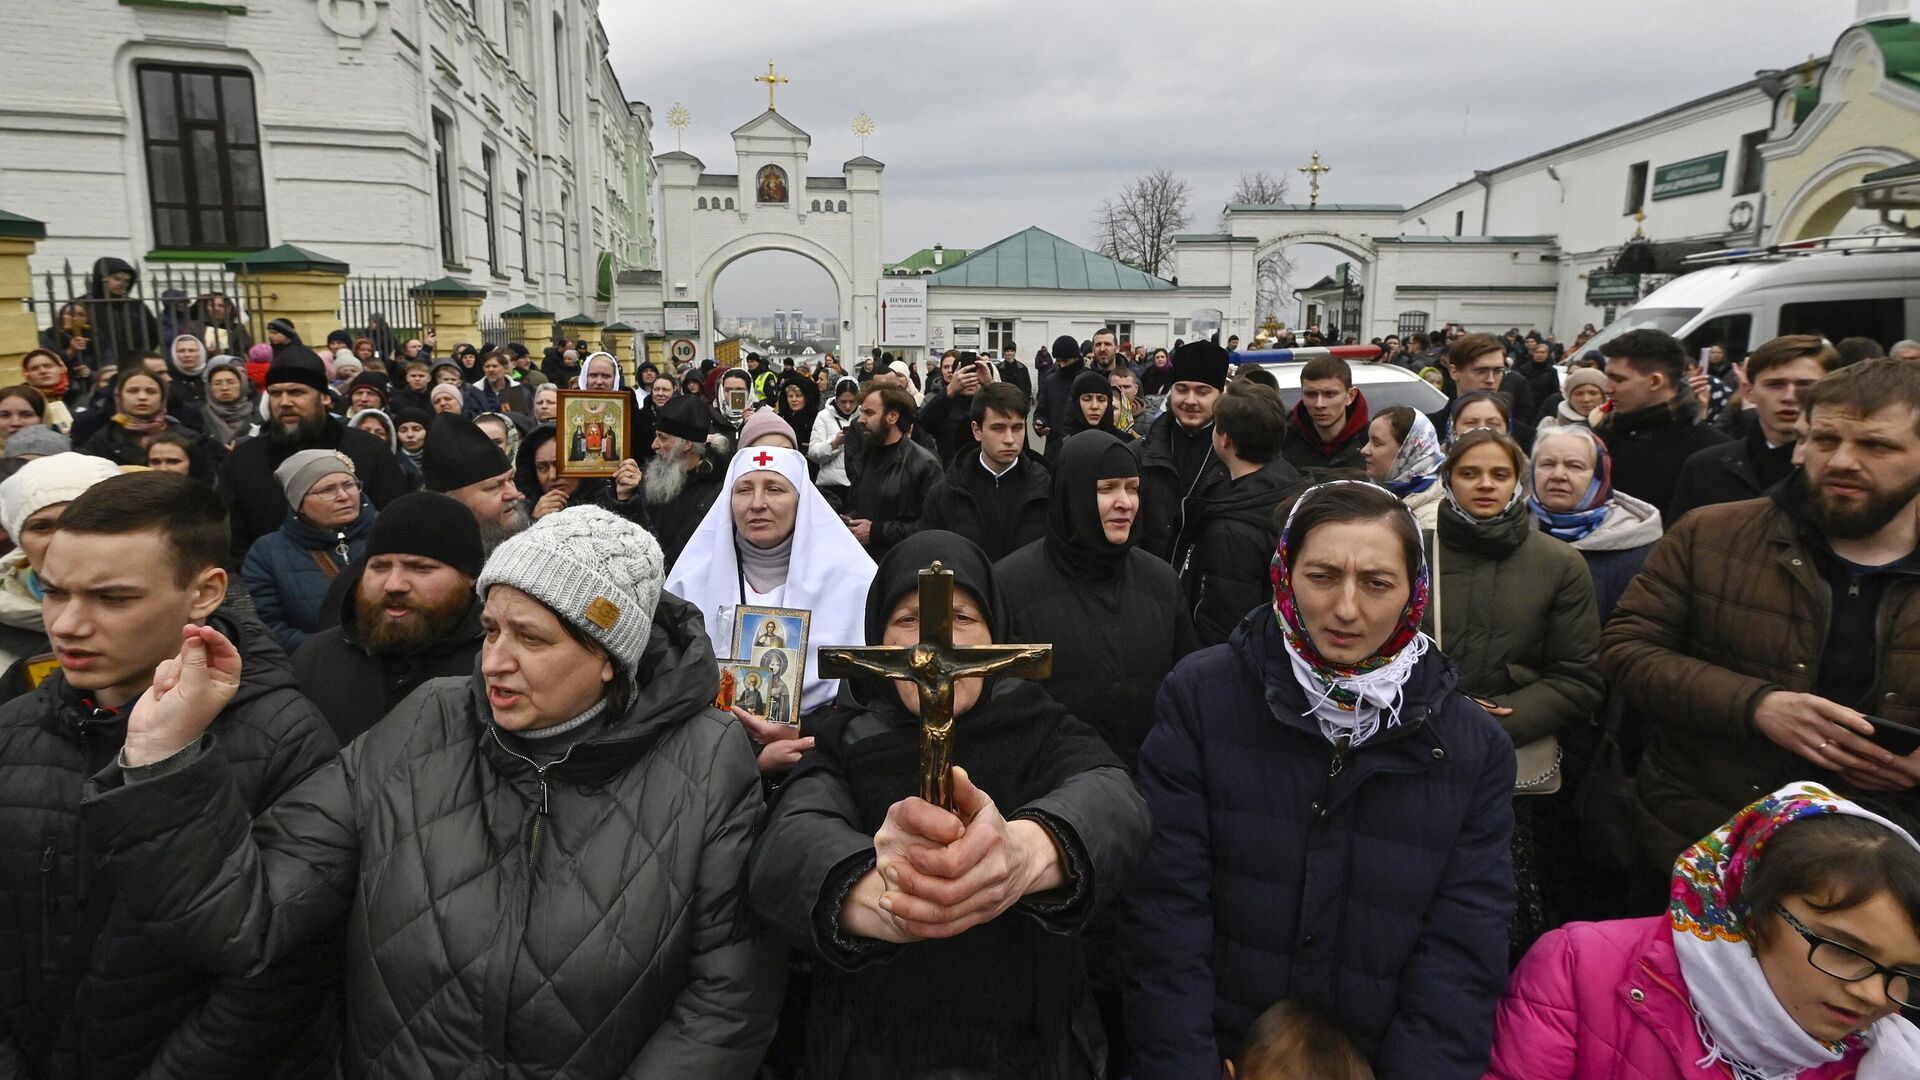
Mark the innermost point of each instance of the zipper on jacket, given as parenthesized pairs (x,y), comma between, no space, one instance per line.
(540,774)
(48,859)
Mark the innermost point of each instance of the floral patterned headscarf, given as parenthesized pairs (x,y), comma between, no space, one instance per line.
(1348,700)
(1740,1022)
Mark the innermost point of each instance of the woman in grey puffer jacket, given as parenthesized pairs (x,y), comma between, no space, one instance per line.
(541,866)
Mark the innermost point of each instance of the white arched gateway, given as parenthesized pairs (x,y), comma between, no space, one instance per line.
(709,220)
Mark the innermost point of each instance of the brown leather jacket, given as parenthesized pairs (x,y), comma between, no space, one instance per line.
(1730,606)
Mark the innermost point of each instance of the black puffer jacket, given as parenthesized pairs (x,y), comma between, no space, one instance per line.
(144,1013)
(893,485)
(1649,445)
(1225,569)
(581,920)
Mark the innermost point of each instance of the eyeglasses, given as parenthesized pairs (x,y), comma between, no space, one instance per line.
(1850,965)
(335,491)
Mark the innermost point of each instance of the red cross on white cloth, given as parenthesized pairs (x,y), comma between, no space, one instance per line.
(763,459)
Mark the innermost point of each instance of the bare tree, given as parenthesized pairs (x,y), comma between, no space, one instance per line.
(1262,188)
(1138,227)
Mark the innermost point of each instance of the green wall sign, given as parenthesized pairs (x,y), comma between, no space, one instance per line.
(1612,288)
(1690,177)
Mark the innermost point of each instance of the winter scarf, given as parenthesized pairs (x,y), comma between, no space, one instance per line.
(1740,1022)
(229,420)
(1353,700)
(1586,516)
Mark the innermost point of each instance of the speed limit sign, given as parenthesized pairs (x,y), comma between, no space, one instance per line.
(683,350)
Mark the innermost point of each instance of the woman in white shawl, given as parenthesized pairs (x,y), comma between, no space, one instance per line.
(774,542)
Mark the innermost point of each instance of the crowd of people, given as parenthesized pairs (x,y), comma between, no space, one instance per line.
(1569,731)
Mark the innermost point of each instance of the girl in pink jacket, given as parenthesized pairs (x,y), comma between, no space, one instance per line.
(1792,941)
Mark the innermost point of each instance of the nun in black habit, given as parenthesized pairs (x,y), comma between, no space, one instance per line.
(1114,613)
(947,946)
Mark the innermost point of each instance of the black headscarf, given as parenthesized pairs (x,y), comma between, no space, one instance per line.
(1090,382)
(899,574)
(801,421)
(1076,544)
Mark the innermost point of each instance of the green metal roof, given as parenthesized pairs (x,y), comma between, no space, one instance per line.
(1898,172)
(619,328)
(447,286)
(1037,259)
(582,319)
(923,260)
(22,228)
(526,311)
(287,257)
(1899,42)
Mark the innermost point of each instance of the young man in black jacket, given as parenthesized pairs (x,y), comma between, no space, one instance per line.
(1777,376)
(994,492)
(1177,462)
(1652,422)
(1224,569)
(83,990)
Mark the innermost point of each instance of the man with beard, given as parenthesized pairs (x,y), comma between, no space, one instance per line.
(411,616)
(684,477)
(1765,639)
(297,420)
(461,461)
(1177,462)
(895,472)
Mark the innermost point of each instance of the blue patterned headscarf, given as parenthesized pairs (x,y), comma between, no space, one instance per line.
(1586,516)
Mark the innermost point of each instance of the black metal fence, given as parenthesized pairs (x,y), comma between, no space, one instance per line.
(117,311)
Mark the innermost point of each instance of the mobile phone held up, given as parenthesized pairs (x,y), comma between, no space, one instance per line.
(1900,739)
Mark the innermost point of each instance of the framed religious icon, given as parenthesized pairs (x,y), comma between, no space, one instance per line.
(774,639)
(595,432)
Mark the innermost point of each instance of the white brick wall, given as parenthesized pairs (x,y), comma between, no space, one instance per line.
(346,133)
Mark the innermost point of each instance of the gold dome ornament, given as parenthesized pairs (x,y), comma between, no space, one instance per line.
(678,118)
(863,127)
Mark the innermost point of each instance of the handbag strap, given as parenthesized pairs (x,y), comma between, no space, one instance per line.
(1433,591)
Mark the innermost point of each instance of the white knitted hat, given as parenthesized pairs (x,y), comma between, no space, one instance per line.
(49,481)
(593,568)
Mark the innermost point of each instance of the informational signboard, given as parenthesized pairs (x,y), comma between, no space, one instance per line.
(1690,177)
(966,336)
(681,317)
(683,350)
(903,311)
(1612,288)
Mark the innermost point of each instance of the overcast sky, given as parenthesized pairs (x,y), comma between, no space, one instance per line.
(994,115)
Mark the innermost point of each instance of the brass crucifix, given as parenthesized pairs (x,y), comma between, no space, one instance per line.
(933,666)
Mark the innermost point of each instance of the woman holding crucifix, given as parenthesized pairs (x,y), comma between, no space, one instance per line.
(903,903)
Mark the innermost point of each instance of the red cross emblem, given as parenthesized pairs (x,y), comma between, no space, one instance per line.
(763,459)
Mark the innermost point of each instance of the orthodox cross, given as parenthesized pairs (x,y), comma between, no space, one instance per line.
(933,666)
(772,81)
(1313,172)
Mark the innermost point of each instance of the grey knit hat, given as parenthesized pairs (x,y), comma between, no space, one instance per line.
(299,473)
(591,567)
(38,439)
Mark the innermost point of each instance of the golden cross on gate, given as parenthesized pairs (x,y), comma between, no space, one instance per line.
(772,81)
(933,666)
(1313,172)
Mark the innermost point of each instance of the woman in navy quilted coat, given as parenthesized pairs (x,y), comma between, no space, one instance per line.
(1331,819)
(541,867)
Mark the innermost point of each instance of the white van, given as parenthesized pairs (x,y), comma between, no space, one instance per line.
(1862,286)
